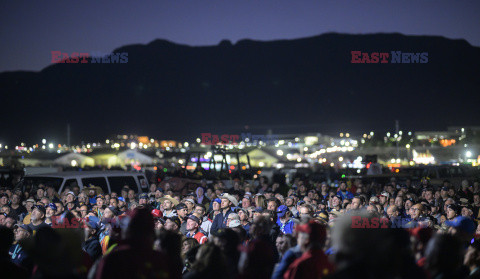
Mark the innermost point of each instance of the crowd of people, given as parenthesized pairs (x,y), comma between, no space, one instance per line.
(251,230)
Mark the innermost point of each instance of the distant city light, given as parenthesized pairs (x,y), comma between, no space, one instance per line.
(468,154)
(279,152)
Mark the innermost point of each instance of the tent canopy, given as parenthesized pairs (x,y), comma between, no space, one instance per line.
(74,159)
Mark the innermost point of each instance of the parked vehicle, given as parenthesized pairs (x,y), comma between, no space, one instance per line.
(109,181)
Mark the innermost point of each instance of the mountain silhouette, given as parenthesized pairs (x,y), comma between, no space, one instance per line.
(169,90)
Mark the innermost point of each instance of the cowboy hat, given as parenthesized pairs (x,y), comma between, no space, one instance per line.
(169,198)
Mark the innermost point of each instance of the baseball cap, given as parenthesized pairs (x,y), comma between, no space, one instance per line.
(176,220)
(195,218)
(25,227)
(316,231)
(385,194)
(463,224)
(143,196)
(93,224)
(181,206)
(52,206)
(71,193)
(121,199)
(241,209)
(282,211)
(99,197)
(41,208)
(218,200)
(189,200)
(157,213)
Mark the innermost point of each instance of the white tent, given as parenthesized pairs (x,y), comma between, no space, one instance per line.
(74,160)
(134,157)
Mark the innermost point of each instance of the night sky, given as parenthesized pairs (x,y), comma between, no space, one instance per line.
(30,30)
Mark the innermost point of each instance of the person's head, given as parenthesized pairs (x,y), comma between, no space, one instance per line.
(190,204)
(109,212)
(70,197)
(216,204)
(167,205)
(113,202)
(9,222)
(392,211)
(40,193)
(272,204)
(91,228)
(284,242)
(188,243)
(60,207)
(199,210)
(372,209)
(343,186)
(172,224)
(451,212)
(210,258)
(356,203)
(476,198)
(3,199)
(261,226)
(181,210)
(100,201)
(336,201)
(246,202)
(444,255)
(472,257)
(16,198)
(51,209)
(408,204)
(429,194)
(23,232)
(306,210)
(243,215)
(38,213)
(416,210)
(467,211)
(131,194)
(311,236)
(193,223)
(226,204)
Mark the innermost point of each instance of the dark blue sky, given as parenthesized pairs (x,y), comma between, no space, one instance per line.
(30,29)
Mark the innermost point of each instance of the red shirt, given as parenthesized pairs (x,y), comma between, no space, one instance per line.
(312,264)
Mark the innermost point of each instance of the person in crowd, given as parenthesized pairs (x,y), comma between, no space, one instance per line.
(206,223)
(193,229)
(313,263)
(220,221)
(92,244)
(210,263)
(169,204)
(283,243)
(135,257)
(472,260)
(284,220)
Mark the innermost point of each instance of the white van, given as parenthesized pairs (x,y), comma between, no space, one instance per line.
(109,181)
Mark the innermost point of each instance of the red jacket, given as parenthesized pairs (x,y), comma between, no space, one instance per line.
(312,264)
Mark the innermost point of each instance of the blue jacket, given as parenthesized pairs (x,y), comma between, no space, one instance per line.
(289,257)
(220,221)
(286,228)
(347,195)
